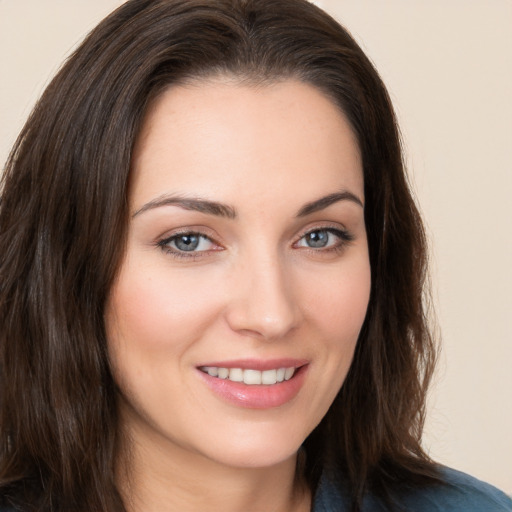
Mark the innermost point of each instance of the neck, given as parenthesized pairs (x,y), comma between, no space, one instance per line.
(158,476)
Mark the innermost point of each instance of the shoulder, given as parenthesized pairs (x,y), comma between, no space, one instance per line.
(458,492)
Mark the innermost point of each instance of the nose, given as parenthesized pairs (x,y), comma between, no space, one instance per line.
(262,300)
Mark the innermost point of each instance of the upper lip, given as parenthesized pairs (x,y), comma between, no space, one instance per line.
(257,364)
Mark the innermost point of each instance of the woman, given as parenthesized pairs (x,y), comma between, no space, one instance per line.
(219,299)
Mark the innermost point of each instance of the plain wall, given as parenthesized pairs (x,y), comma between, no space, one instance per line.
(448,66)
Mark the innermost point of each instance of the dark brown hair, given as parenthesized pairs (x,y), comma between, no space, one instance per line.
(63,221)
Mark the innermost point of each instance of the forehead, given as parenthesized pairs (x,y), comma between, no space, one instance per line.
(234,140)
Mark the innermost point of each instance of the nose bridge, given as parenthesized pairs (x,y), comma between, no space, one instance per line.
(263,302)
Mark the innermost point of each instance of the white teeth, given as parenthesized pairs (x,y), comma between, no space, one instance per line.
(251,377)
(236,375)
(269,377)
(223,373)
(288,374)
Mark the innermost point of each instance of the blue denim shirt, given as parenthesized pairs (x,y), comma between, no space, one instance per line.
(462,493)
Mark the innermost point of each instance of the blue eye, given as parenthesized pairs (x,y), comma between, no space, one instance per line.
(325,238)
(317,238)
(187,242)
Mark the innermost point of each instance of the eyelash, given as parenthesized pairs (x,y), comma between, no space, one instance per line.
(344,239)
(189,255)
(344,236)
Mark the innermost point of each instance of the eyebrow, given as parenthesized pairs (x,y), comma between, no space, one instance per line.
(196,204)
(324,202)
(202,205)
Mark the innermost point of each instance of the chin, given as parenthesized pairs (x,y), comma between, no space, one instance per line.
(257,457)
(256,446)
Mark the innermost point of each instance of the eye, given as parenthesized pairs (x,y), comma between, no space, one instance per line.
(189,242)
(324,238)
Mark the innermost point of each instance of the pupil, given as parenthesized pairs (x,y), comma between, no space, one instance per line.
(187,242)
(317,239)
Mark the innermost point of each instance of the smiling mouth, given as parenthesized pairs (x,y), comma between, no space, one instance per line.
(250,377)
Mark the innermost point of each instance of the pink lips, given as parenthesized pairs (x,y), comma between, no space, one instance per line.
(256,396)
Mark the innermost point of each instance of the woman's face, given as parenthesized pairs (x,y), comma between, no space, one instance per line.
(246,278)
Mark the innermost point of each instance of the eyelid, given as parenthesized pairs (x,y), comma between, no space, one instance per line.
(164,241)
(345,237)
(198,230)
(332,227)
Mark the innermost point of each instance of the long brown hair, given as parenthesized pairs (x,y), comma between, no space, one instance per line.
(63,221)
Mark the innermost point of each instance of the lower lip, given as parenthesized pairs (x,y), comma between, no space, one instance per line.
(256,396)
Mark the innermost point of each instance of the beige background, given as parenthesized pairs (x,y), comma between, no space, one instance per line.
(448,65)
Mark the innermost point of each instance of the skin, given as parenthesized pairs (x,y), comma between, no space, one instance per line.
(253,289)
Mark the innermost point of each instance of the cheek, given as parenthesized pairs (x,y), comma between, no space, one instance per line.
(154,320)
(338,304)
(157,310)
(340,312)
(335,309)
